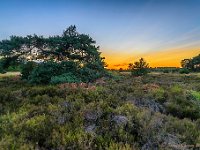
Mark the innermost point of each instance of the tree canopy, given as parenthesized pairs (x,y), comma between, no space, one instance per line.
(71,45)
(69,50)
(192,64)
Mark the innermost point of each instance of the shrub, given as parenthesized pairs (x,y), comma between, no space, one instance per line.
(165,71)
(159,94)
(14,68)
(2,70)
(43,73)
(181,105)
(27,68)
(65,78)
(139,72)
(35,129)
(186,129)
(69,67)
(184,71)
(66,71)
(196,95)
(91,72)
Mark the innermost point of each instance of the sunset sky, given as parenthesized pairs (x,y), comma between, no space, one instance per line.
(161,31)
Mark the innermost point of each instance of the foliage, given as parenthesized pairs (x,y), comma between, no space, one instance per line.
(69,46)
(159,94)
(43,73)
(65,78)
(180,104)
(192,64)
(71,52)
(165,71)
(27,69)
(9,64)
(91,72)
(118,114)
(66,71)
(196,95)
(139,68)
(184,71)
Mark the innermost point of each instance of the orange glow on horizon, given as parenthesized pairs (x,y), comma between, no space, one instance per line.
(167,58)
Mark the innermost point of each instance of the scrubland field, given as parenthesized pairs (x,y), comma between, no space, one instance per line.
(156,111)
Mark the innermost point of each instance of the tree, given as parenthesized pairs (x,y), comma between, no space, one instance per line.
(139,68)
(71,48)
(192,64)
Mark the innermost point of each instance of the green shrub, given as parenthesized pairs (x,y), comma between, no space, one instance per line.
(27,69)
(65,78)
(43,73)
(69,67)
(176,90)
(14,68)
(139,72)
(42,90)
(66,71)
(184,71)
(91,72)
(165,71)
(159,94)
(181,105)
(196,95)
(36,130)
(186,129)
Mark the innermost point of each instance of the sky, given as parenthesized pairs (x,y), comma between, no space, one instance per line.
(162,31)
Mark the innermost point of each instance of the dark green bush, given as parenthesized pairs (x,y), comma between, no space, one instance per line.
(66,71)
(165,71)
(91,72)
(27,69)
(184,71)
(69,67)
(16,68)
(139,72)
(43,73)
(65,78)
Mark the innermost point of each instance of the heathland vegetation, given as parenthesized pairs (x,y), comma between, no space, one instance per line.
(64,98)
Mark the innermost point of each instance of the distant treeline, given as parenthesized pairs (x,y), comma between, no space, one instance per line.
(187,65)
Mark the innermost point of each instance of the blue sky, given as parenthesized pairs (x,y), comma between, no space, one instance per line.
(124,29)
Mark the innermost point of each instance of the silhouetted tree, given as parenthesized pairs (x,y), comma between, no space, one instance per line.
(139,67)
